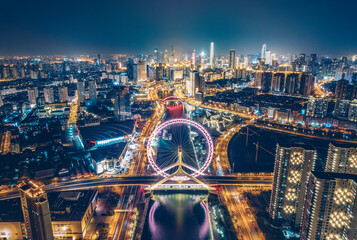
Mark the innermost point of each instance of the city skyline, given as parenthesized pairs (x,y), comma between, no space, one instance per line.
(323,27)
(183,120)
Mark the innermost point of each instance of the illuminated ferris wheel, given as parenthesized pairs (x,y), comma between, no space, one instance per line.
(180,143)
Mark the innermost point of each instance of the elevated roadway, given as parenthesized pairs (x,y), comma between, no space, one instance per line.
(248,181)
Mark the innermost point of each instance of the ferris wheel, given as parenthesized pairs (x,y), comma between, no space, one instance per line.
(180,143)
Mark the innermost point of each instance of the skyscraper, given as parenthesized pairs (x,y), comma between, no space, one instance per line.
(352,112)
(139,72)
(63,94)
(80,92)
(330,207)
(341,89)
(266,81)
(268,59)
(341,159)
(306,84)
(92,85)
(156,55)
(194,84)
(278,82)
(211,55)
(293,165)
(264,50)
(122,105)
(232,59)
(36,210)
(49,96)
(193,58)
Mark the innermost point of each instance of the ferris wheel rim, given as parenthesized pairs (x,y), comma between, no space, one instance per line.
(198,126)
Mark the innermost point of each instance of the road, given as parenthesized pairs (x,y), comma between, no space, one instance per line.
(303,134)
(138,166)
(193,102)
(221,162)
(243,181)
(243,220)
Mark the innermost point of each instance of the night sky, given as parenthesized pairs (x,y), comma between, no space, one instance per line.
(135,26)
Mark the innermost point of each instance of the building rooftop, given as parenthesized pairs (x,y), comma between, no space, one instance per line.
(333,176)
(11,210)
(107,130)
(70,205)
(64,206)
(296,145)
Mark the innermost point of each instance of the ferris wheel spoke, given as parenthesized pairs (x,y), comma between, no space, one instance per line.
(189,157)
(170,167)
(168,160)
(195,170)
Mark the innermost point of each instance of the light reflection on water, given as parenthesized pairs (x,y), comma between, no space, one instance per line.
(177,217)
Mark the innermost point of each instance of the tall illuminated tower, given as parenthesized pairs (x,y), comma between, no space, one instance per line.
(232,59)
(264,51)
(81,91)
(36,210)
(293,165)
(211,55)
(92,86)
(193,58)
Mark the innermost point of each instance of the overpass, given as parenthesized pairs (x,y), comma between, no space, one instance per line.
(249,181)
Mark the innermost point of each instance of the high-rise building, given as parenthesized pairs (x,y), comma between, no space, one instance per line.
(194,84)
(211,56)
(266,81)
(293,165)
(156,55)
(49,96)
(306,84)
(63,94)
(92,86)
(232,59)
(313,64)
(341,159)
(268,58)
(32,94)
(330,207)
(1,102)
(122,105)
(258,78)
(352,112)
(291,83)
(341,109)
(278,82)
(80,92)
(193,58)
(36,210)
(139,72)
(317,107)
(341,89)
(264,50)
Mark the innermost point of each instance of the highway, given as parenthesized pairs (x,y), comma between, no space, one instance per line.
(242,181)
(303,134)
(138,166)
(221,162)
